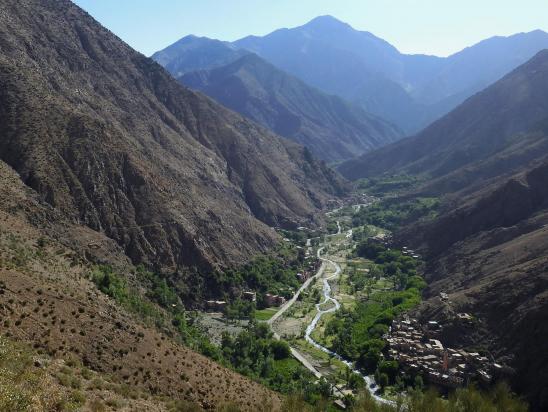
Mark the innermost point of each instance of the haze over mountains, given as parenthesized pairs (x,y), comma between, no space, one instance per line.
(410,91)
(492,133)
(488,159)
(332,128)
(112,170)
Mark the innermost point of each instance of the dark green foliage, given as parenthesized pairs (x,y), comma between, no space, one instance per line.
(280,349)
(159,306)
(332,227)
(383,185)
(357,333)
(390,214)
(392,263)
(255,353)
(390,368)
(274,274)
(240,309)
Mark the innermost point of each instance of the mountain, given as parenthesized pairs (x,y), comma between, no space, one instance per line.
(488,252)
(323,54)
(410,91)
(333,129)
(486,247)
(501,129)
(194,53)
(108,138)
(472,69)
(68,334)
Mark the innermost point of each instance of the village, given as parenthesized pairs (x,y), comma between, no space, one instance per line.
(311,266)
(418,350)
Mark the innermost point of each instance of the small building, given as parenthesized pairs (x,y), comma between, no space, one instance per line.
(274,300)
(249,296)
(216,305)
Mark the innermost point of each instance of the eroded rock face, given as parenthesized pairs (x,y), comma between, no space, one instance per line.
(109,139)
(490,256)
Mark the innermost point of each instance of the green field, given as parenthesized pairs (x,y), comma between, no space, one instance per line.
(265,314)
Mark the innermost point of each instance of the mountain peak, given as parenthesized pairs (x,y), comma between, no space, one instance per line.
(327,22)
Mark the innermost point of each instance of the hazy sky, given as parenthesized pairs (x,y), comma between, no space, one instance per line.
(438,27)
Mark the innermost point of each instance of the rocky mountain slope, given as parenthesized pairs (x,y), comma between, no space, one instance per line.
(495,132)
(489,254)
(410,91)
(486,248)
(109,139)
(90,352)
(331,128)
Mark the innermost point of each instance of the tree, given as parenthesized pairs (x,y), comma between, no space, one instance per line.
(280,349)
(383,381)
(390,368)
(418,384)
(370,359)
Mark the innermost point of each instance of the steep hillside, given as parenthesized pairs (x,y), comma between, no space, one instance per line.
(490,255)
(410,91)
(472,69)
(109,139)
(487,246)
(333,129)
(337,59)
(495,132)
(90,351)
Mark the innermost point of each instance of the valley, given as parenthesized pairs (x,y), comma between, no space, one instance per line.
(306,220)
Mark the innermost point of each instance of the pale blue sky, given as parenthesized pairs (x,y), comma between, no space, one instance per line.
(438,27)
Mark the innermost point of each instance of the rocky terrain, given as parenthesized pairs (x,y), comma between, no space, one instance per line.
(487,246)
(409,90)
(109,139)
(496,132)
(331,128)
(105,159)
(48,301)
(489,255)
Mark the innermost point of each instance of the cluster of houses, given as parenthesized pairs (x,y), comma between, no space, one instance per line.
(310,270)
(412,345)
(311,267)
(409,252)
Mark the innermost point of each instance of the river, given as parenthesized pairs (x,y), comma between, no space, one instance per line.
(369,380)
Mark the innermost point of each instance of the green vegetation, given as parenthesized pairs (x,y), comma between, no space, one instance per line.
(391,214)
(255,353)
(274,274)
(24,385)
(356,333)
(499,399)
(265,314)
(159,305)
(378,186)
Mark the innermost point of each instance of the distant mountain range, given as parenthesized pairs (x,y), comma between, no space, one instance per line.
(494,132)
(410,91)
(330,127)
(487,247)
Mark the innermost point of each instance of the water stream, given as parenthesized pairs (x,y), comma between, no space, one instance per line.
(369,380)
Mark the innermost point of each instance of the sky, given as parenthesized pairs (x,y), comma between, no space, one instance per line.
(437,27)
